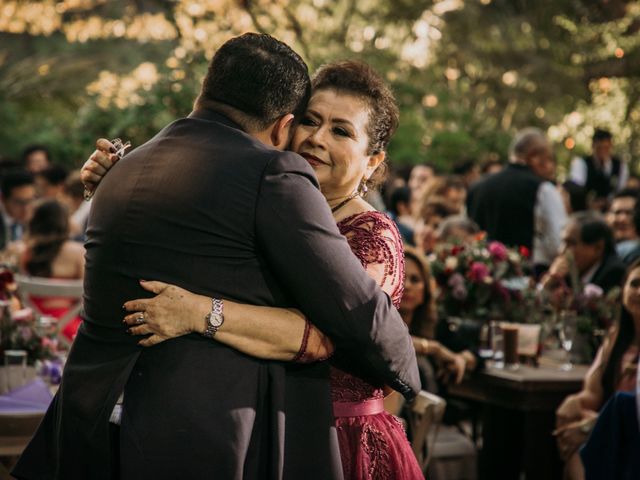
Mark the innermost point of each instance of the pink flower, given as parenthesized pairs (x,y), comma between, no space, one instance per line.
(498,251)
(478,272)
(592,291)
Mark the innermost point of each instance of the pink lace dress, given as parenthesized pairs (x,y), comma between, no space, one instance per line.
(373,444)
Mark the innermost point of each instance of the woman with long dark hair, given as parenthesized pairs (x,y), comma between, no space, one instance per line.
(613,370)
(49,253)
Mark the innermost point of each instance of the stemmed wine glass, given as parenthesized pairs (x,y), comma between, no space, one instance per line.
(567,331)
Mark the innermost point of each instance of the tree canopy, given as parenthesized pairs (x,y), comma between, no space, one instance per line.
(467,74)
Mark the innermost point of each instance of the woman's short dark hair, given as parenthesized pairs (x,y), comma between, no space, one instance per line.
(361,80)
(48,231)
(256,79)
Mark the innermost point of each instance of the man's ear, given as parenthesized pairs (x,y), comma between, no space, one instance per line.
(280,131)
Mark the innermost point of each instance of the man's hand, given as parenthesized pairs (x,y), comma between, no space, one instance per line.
(98,164)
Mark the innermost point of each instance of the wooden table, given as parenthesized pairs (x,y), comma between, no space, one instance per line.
(518,416)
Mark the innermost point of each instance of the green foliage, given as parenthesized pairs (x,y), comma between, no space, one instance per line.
(467,74)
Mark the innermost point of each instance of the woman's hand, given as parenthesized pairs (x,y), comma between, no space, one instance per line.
(98,164)
(569,411)
(173,312)
(572,435)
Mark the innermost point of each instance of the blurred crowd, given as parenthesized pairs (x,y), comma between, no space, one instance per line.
(43,222)
(591,218)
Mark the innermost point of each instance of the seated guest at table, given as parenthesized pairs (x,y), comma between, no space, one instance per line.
(612,448)
(432,214)
(458,229)
(620,219)
(418,310)
(49,253)
(17,192)
(614,369)
(589,239)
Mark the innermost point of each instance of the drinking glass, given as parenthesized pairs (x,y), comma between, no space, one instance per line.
(15,368)
(567,331)
(497,343)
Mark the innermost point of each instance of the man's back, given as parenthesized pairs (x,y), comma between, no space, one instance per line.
(204,206)
(503,205)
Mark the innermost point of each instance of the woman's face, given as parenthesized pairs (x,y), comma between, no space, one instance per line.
(631,293)
(332,136)
(414,286)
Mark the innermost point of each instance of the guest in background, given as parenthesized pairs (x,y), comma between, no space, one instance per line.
(18,193)
(600,173)
(449,188)
(432,214)
(633,182)
(614,369)
(612,448)
(491,166)
(400,212)
(418,310)
(458,229)
(36,158)
(574,197)
(620,219)
(589,240)
(518,207)
(50,181)
(49,253)
(468,171)
(418,178)
(73,197)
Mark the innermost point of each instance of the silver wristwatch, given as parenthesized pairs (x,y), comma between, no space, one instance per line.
(214,320)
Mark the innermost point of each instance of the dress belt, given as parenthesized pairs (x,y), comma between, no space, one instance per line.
(358,409)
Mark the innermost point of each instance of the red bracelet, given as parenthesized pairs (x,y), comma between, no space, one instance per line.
(305,340)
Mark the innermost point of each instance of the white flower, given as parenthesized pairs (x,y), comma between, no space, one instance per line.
(451,263)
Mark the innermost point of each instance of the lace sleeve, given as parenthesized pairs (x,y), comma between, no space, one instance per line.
(375,240)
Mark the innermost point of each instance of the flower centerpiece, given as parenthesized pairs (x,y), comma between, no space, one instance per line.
(19,327)
(592,310)
(482,280)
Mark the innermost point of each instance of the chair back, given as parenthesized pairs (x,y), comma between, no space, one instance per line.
(425,415)
(50,288)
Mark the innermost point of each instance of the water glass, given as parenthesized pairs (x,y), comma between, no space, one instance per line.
(15,368)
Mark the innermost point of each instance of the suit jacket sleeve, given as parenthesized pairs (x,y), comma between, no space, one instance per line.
(302,245)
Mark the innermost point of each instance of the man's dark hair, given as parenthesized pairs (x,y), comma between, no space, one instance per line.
(13,180)
(601,134)
(463,167)
(627,192)
(54,175)
(255,79)
(592,228)
(35,148)
(399,195)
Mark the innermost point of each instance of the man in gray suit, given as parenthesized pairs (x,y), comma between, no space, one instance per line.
(214,205)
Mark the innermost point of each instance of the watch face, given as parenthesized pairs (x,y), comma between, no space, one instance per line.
(215,320)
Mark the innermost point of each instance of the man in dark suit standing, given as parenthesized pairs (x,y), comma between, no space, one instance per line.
(214,205)
(518,206)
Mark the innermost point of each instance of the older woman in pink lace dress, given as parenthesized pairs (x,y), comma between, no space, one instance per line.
(343,135)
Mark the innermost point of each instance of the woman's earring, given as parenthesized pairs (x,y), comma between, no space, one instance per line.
(362,188)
